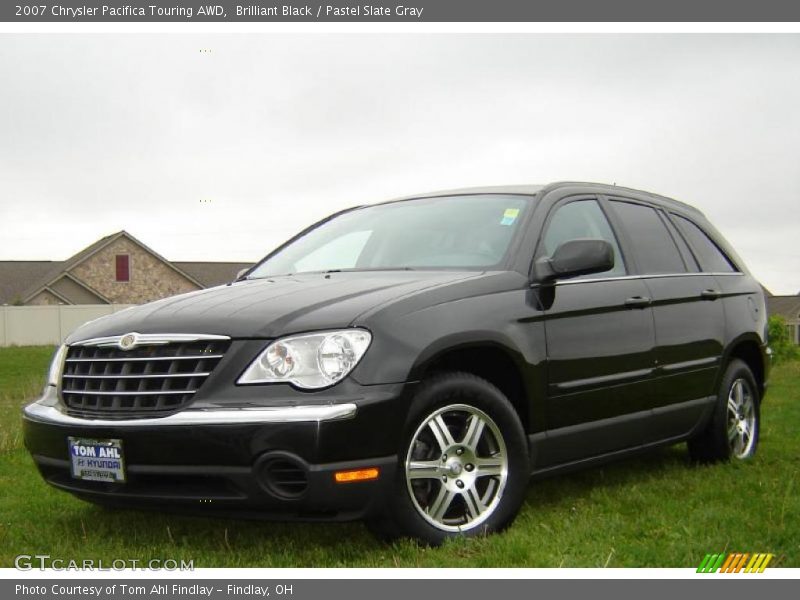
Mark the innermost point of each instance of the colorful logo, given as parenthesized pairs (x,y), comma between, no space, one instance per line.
(736,562)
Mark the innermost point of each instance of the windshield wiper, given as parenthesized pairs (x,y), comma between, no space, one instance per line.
(326,272)
(368,270)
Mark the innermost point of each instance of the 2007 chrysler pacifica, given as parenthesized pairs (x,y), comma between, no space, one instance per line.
(413,363)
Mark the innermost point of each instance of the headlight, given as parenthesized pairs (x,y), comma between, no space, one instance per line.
(309,361)
(56,366)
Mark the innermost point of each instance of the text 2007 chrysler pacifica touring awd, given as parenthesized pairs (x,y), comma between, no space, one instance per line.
(413,363)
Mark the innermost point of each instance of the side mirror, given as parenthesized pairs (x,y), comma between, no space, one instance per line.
(574,258)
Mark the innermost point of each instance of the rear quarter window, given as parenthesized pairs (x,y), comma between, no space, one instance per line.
(711,258)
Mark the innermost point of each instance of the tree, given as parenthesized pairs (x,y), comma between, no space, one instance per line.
(781,343)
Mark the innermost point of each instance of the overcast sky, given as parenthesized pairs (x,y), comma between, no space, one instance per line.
(223,154)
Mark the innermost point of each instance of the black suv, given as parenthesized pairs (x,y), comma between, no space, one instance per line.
(413,363)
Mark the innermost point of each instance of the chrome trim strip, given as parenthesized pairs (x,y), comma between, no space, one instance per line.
(690,364)
(629,277)
(150,339)
(612,379)
(164,376)
(197,357)
(227,416)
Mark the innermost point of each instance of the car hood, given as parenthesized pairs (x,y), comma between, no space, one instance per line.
(266,308)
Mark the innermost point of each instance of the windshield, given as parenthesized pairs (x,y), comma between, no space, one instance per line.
(447,232)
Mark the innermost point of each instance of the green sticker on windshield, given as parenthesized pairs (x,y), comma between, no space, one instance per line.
(509,216)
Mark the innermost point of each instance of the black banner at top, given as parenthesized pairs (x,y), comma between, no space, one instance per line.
(138,11)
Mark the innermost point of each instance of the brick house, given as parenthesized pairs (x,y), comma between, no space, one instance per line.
(117,269)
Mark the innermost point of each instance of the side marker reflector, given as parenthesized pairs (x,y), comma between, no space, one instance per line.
(356,475)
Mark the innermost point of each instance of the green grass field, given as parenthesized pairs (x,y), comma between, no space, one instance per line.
(654,511)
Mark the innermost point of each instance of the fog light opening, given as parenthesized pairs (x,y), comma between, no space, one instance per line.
(282,475)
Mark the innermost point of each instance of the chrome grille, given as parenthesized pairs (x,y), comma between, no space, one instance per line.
(157,377)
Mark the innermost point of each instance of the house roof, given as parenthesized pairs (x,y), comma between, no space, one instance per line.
(55,273)
(786,306)
(20,280)
(18,275)
(57,268)
(212,273)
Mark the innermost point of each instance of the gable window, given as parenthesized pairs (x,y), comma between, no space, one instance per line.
(123,267)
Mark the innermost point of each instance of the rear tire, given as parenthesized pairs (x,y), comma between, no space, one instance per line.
(734,428)
(463,466)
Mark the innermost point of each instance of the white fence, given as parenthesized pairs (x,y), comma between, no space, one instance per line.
(47,325)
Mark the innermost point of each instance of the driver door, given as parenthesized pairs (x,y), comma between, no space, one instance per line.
(600,345)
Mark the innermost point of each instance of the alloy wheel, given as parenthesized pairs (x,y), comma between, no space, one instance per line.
(456,468)
(741,419)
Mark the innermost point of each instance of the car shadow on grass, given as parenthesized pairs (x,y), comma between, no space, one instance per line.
(568,486)
(247,541)
(250,541)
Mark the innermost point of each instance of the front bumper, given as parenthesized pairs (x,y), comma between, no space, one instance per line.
(222,458)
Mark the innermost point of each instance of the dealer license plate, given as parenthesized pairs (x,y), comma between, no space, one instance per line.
(97,460)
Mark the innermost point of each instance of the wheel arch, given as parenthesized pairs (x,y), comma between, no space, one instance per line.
(487,357)
(748,349)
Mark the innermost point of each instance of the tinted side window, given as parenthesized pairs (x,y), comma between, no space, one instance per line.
(686,253)
(711,258)
(653,247)
(577,220)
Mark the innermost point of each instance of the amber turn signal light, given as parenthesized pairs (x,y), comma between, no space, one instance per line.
(356,475)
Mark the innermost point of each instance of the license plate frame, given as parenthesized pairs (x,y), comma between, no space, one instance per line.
(96,459)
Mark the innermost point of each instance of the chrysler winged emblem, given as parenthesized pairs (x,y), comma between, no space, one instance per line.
(127,341)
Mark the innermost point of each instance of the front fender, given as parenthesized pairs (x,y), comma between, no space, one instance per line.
(403,346)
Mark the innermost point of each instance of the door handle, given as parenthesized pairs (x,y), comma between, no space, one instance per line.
(638,302)
(710,294)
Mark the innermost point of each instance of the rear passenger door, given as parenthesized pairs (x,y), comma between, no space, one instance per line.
(742,297)
(688,316)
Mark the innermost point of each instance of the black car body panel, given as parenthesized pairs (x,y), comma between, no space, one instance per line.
(596,367)
(266,308)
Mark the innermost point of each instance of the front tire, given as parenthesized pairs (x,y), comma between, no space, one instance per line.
(463,467)
(734,428)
